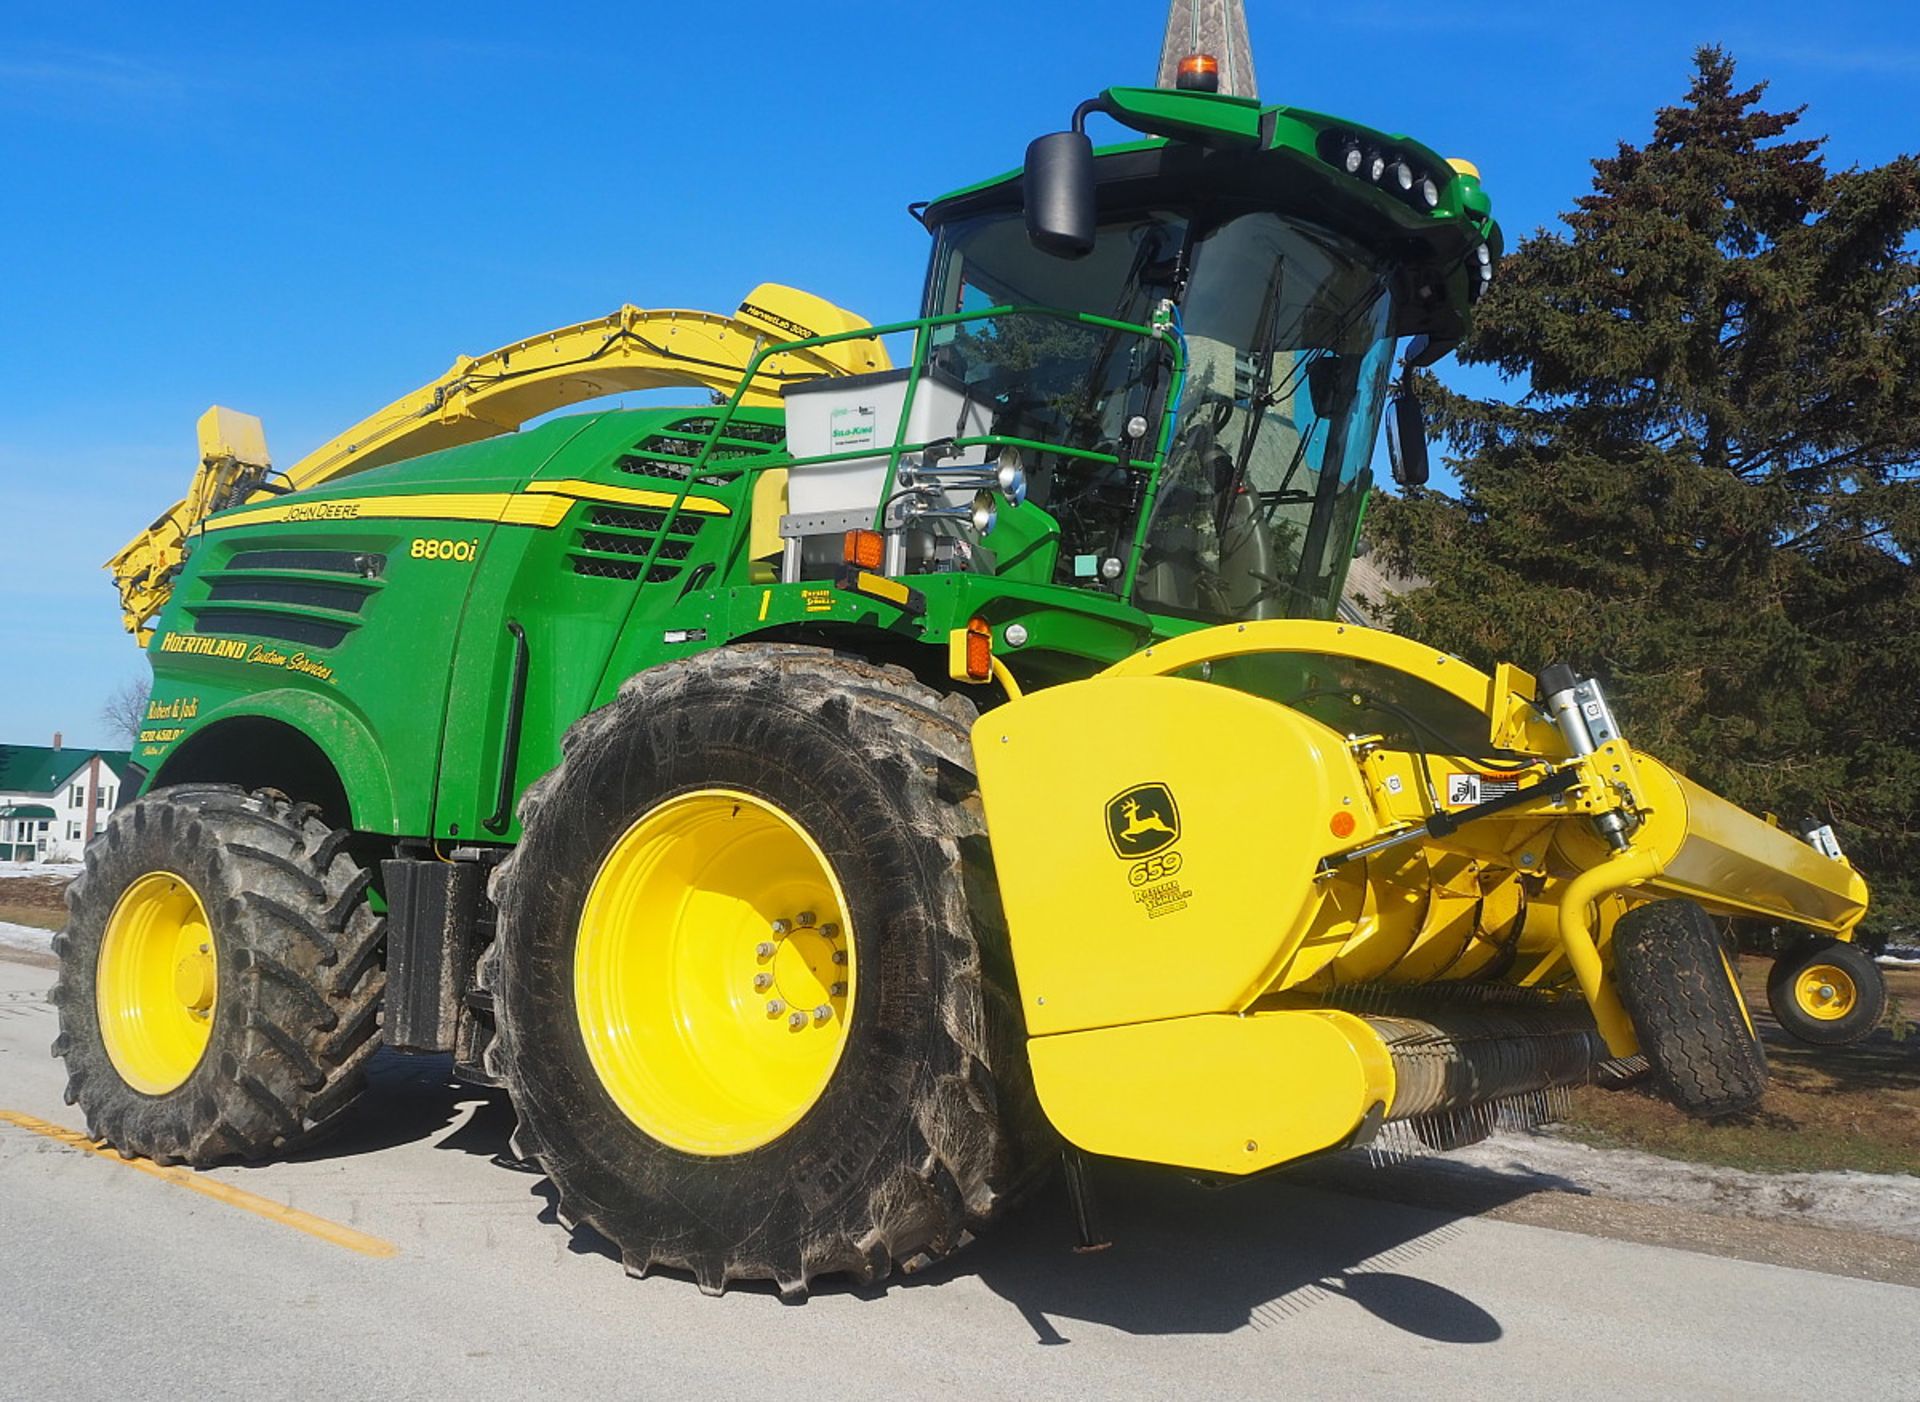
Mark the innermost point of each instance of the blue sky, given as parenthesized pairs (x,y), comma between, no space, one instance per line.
(304,212)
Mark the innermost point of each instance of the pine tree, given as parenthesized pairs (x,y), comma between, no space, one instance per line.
(1709,493)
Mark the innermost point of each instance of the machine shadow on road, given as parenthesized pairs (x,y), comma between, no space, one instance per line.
(1185,1258)
(1192,1259)
(413,1098)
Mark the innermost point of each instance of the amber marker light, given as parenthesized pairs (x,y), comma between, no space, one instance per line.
(1342,824)
(1198,73)
(979,650)
(864,550)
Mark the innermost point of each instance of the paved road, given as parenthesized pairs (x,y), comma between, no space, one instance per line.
(113,1282)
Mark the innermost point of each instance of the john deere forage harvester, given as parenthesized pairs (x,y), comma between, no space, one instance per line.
(814,806)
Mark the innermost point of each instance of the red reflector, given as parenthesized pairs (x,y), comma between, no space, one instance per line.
(1342,824)
(864,550)
(1198,73)
(979,650)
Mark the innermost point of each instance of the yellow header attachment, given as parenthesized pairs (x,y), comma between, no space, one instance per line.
(480,397)
(1199,858)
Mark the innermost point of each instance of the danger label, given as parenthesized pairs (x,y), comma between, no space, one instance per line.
(1465,790)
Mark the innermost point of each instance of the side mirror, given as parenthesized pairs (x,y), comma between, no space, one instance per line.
(1407,441)
(1058,185)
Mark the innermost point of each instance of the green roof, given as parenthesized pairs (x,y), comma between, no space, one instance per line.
(26,810)
(43,769)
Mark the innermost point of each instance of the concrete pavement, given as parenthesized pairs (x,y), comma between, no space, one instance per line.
(114,1282)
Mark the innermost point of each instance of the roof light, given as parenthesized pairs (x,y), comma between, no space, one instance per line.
(1429,192)
(1352,158)
(1403,175)
(1376,167)
(1198,73)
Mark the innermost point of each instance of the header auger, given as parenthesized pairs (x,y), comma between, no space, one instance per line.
(821,808)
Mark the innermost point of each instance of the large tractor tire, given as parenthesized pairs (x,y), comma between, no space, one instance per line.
(1679,989)
(220,977)
(1827,992)
(750,975)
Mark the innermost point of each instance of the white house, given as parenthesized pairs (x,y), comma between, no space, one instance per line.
(53,800)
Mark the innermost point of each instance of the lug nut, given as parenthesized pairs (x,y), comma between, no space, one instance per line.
(821,1013)
(764,949)
(839,956)
(839,990)
(804,919)
(782,927)
(763,981)
(775,1007)
(830,930)
(796,1020)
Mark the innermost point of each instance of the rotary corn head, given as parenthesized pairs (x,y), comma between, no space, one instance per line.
(1275,887)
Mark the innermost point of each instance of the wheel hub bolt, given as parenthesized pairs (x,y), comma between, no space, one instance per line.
(830,930)
(764,949)
(763,981)
(796,1019)
(775,1007)
(821,1013)
(783,927)
(1826,991)
(839,956)
(839,990)
(804,919)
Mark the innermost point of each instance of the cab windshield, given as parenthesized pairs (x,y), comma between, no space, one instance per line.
(1288,353)
(1288,356)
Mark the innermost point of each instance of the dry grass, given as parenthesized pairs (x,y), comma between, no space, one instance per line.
(39,916)
(1827,1108)
(39,901)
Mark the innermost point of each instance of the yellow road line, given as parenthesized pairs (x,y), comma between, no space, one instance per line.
(215,1189)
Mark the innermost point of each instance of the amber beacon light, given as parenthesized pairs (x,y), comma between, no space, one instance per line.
(1198,73)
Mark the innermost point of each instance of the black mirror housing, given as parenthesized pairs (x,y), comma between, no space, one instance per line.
(1407,441)
(1058,189)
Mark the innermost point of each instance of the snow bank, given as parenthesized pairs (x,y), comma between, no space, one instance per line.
(66,869)
(25,937)
(1884,1204)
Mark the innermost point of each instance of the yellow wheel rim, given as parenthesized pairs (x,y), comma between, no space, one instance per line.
(157,983)
(1825,991)
(713,972)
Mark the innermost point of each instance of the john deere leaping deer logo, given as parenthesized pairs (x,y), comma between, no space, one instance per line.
(1142,820)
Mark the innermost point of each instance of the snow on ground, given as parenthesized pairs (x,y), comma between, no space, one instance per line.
(1897,958)
(1886,1204)
(68,869)
(25,937)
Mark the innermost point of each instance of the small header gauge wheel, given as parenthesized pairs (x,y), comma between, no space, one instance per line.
(1827,992)
(1680,991)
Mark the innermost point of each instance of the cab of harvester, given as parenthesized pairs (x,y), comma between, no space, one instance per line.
(1154,372)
